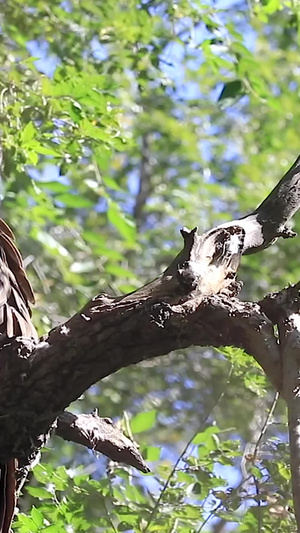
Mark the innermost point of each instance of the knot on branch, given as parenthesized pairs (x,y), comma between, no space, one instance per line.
(286,233)
(279,305)
(14,353)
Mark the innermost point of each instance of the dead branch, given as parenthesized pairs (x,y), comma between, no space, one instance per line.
(100,435)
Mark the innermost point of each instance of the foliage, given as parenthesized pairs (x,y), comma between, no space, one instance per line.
(120,122)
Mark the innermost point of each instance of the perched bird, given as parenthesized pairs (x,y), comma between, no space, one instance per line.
(15,320)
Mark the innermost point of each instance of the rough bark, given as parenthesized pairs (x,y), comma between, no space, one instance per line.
(38,380)
(100,435)
(119,335)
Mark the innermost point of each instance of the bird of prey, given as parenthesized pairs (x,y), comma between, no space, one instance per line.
(15,320)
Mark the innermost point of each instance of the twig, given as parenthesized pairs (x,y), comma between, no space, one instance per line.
(167,482)
(262,433)
(266,423)
(221,504)
(246,476)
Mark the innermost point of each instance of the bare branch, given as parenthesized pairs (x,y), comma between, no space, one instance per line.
(100,435)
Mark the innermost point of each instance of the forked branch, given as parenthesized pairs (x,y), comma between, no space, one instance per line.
(180,308)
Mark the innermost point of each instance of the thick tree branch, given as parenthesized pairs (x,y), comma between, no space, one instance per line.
(48,377)
(180,308)
(100,435)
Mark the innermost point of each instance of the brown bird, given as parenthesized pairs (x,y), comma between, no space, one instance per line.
(15,320)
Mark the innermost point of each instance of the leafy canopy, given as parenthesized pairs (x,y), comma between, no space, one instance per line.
(120,122)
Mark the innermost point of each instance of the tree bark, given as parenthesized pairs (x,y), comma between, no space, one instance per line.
(180,308)
(100,435)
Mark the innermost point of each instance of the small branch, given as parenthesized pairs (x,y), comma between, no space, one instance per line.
(145,175)
(266,423)
(100,435)
(252,449)
(201,427)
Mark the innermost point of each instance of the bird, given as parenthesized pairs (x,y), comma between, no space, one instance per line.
(16,295)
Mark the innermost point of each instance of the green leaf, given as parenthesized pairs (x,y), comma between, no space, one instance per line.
(28,133)
(45,150)
(50,242)
(229,517)
(204,437)
(95,132)
(143,421)
(256,383)
(28,522)
(60,478)
(53,529)
(37,516)
(43,473)
(125,526)
(39,492)
(231,89)
(151,453)
(120,272)
(32,157)
(124,225)
(111,183)
(74,200)
(54,186)
(271,6)
(188,512)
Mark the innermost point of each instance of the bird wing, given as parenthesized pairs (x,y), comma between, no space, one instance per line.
(15,319)
(15,289)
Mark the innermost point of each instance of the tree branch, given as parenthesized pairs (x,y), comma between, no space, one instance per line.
(111,334)
(178,309)
(100,435)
